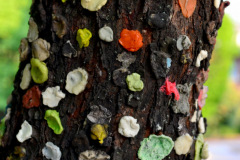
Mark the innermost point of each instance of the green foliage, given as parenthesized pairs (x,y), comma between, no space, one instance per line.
(9,67)
(223,57)
(2,129)
(229,112)
(13,19)
(14,26)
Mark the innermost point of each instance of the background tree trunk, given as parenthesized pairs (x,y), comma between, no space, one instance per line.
(150,107)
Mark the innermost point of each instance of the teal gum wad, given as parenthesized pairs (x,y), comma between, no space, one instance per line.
(134,82)
(39,71)
(155,147)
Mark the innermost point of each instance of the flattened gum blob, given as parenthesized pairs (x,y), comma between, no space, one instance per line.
(53,121)
(131,40)
(187,7)
(170,88)
(83,37)
(32,98)
(155,147)
(134,82)
(39,71)
(99,132)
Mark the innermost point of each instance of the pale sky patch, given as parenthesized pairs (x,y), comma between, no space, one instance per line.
(234,10)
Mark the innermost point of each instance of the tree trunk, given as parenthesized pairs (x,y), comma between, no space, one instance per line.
(152,108)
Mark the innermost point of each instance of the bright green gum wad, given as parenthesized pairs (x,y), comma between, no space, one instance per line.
(53,121)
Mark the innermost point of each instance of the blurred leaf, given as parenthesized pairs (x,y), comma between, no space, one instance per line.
(14,26)
(11,14)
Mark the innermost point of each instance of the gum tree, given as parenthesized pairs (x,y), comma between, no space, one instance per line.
(115,79)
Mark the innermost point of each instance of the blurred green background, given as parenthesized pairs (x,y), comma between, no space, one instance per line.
(14,26)
(222,105)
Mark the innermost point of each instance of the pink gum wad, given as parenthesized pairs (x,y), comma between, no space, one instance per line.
(170,88)
(202,97)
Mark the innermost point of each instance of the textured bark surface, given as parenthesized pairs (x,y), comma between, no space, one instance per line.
(150,107)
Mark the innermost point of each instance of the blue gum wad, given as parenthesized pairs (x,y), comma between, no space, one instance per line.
(83,37)
(53,121)
(134,82)
(198,147)
(155,147)
(169,61)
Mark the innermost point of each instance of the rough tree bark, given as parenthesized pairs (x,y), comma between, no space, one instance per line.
(152,108)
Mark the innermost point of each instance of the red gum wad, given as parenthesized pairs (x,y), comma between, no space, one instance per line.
(32,98)
(170,88)
(131,40)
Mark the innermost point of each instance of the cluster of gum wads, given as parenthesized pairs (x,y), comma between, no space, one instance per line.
(154,147)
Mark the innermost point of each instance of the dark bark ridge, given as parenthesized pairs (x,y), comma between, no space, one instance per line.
(152,108)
